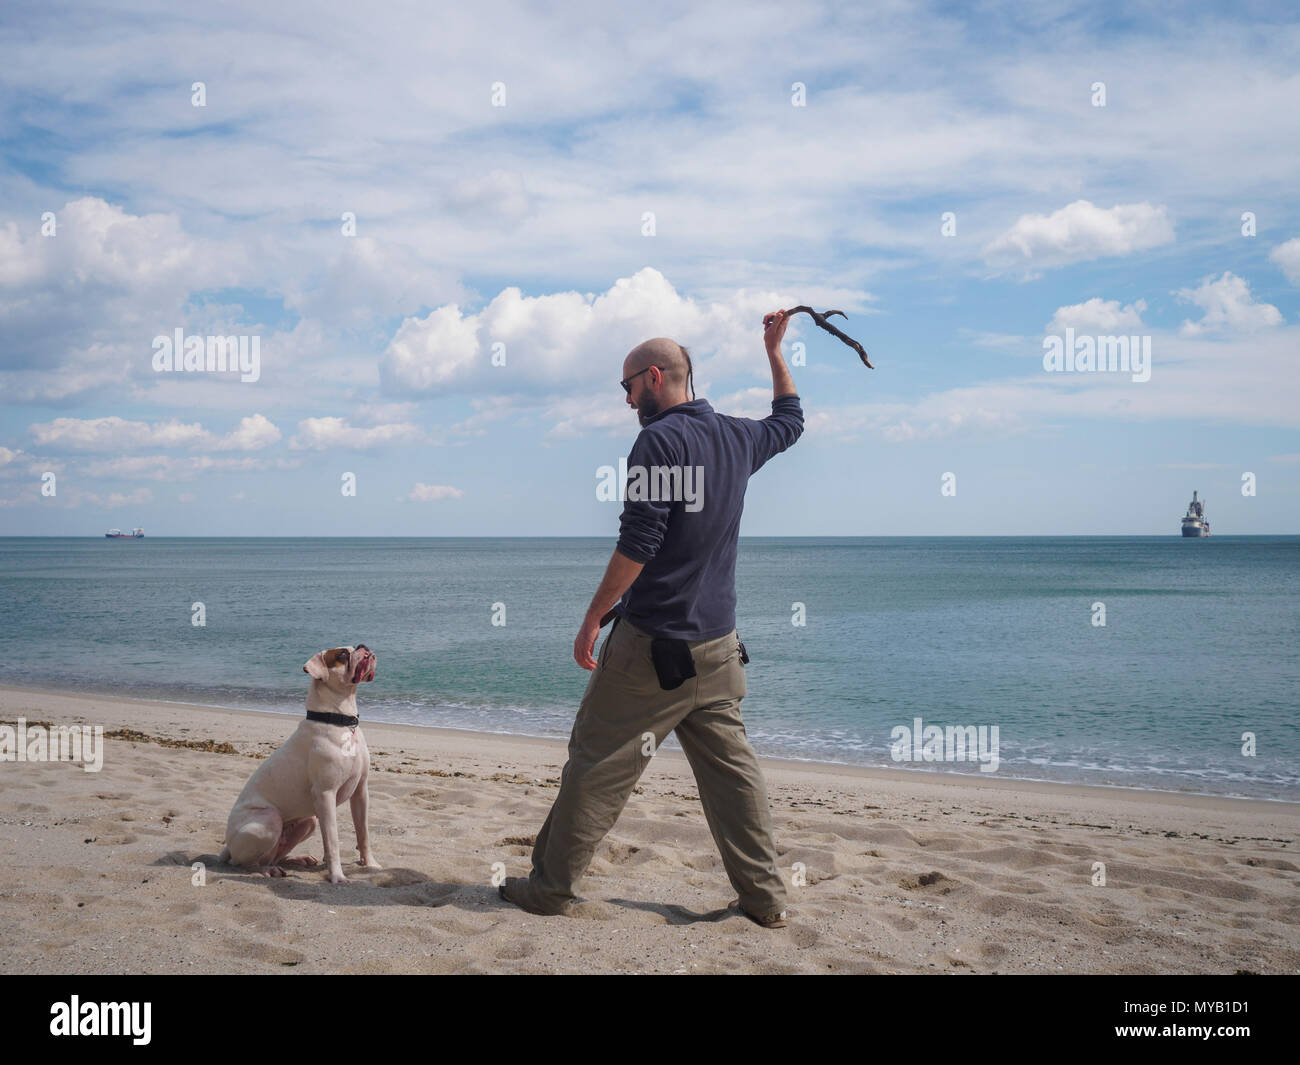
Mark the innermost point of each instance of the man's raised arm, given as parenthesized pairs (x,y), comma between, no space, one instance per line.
(781,428)
(773,331)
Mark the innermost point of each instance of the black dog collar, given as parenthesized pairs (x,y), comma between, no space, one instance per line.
(333,719)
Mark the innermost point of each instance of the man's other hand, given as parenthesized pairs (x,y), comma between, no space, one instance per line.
(585,641)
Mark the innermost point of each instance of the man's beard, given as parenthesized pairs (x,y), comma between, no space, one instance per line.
(647,409)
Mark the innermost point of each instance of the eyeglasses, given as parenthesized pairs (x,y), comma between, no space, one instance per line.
(627,387)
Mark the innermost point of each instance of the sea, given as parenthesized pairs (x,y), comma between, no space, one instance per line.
(1148,662)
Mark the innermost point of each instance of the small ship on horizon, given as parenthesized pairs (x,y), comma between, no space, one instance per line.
(118,534)
(1194,523)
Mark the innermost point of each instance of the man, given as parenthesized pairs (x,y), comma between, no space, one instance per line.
(672,661)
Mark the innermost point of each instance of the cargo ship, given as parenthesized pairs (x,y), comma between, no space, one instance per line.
(1194,523)
(118,534)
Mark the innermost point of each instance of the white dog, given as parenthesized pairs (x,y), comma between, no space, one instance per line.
(322,765)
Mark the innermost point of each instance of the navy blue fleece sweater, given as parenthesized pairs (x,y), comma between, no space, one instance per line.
(688,587)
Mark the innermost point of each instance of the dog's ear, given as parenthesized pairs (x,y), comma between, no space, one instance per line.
(316,667)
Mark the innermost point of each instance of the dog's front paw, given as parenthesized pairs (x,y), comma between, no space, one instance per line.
(336,877)
(369,862)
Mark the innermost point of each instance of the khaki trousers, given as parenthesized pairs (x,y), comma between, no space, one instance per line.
(623,712)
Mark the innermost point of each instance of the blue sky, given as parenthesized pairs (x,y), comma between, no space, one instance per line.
(523,224)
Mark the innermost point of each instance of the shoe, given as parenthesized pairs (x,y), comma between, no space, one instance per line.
(514,889)
(772,920)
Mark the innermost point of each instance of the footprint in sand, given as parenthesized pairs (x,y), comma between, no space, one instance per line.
(270,953)
(181,858)
(596,911)
(1000,905)
(516,951)
(931,883)
(989,953)
(620,853)
(453,926)
(803,937)
(114,841)
(1272,863)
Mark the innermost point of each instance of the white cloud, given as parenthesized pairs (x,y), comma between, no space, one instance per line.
(1287,257)
(114,434)
(97,244)
(1103,317)
(566,338)
(1228,306)
(321,434)
(117,434)
(1078,232)
(487,411)
(7,455)
(153,467)
(252,434)
(749,403)
(945,414)
(378,413)
(79,309)
(431,351)
(932,417)
(114,500)
(165,467)
(367,279)
(91,295)
(24,495)
(98,372)
(575,416)
(499,193)
(1224,380)
(428,493)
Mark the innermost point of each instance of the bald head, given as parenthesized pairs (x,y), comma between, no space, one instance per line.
(653,392)
(667,354)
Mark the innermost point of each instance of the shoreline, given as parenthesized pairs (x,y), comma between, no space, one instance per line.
(940,776)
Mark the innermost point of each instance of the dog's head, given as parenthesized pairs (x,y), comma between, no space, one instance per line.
(342,667)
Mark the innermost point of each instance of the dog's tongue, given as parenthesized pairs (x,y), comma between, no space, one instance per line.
(365,670)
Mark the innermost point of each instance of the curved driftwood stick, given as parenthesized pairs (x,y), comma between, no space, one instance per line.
(820,319)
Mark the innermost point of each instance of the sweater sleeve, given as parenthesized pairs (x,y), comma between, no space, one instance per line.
(778,431)
(644,522)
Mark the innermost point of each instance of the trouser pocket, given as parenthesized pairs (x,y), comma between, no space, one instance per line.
(673,662)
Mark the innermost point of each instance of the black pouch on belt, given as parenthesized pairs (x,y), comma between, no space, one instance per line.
(673,662)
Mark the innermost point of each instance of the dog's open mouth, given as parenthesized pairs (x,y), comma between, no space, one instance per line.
(365,666)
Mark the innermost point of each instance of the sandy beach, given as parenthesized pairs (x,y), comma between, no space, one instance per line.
(902,872)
